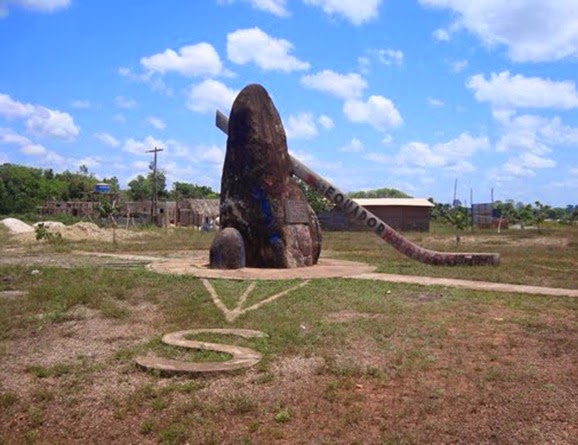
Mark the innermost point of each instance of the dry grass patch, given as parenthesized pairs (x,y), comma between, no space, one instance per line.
(346,362)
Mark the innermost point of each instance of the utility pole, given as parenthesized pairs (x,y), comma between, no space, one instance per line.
(154,197)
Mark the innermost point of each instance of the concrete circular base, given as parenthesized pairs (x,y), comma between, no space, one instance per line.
(326,268)
(241,357)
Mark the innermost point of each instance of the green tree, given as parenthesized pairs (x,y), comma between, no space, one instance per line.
(570,214)
(184,190)
(439,211)
(540,213)
(318,203)
(524,214)
(141,188)
(379,193)
(457,216)
(507,211)
(21,190)
(80,183)
(555,213)
(113,182)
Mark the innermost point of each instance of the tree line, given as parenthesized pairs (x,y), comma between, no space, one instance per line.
(511,211)
(23,189)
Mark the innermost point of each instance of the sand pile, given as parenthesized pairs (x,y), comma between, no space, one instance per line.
(15,226)
(76,232)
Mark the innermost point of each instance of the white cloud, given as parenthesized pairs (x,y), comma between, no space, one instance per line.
(107,139)
(384,56)
(211,154)
(82,104)
(378,158)
(141,148)
(420,154)
(12,108)
(506,91)
(209,96)
(125,102)
(344,86)
(89,161)
(364,64)
(326,122)
(355,11)
(40,120)
(156,122)
(155,82)
(355,146)
(140,165)
(275,7)
(437,103)
(534,161)
(452,155)
(534,134)
(532,30)
(532,137)
(25,145)
(119,118)
(459,65)
(441,35)
(301,126)
(33,5)
(555,131)
(463,146)
(389,56)
(526,163)
(9,137)
(387,139)
(268,53)
(191,60)
(33,149)
(52,123)
(378,111)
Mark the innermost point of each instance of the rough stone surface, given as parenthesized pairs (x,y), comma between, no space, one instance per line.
(227,250)
(257,185)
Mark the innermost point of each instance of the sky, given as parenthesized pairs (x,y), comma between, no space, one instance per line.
(405,94)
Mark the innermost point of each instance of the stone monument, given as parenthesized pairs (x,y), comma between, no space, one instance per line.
(259,197)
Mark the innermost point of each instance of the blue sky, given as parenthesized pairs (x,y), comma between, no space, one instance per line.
(409,94)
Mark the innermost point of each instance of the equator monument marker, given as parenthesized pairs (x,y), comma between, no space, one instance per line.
(339,198)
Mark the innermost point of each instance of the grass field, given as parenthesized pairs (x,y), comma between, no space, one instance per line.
(346,361)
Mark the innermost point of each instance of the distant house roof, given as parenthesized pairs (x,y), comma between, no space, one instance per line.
(394,202)
(209,207)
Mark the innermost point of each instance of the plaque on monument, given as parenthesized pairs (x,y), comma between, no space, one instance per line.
(296,212)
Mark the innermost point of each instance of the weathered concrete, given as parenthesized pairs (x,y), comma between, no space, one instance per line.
(241,357)
(326,268)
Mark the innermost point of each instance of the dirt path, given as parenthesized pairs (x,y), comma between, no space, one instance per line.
(468,284)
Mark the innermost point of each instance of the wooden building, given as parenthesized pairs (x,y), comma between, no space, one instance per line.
(402,214)
(80,209)
(197,212)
